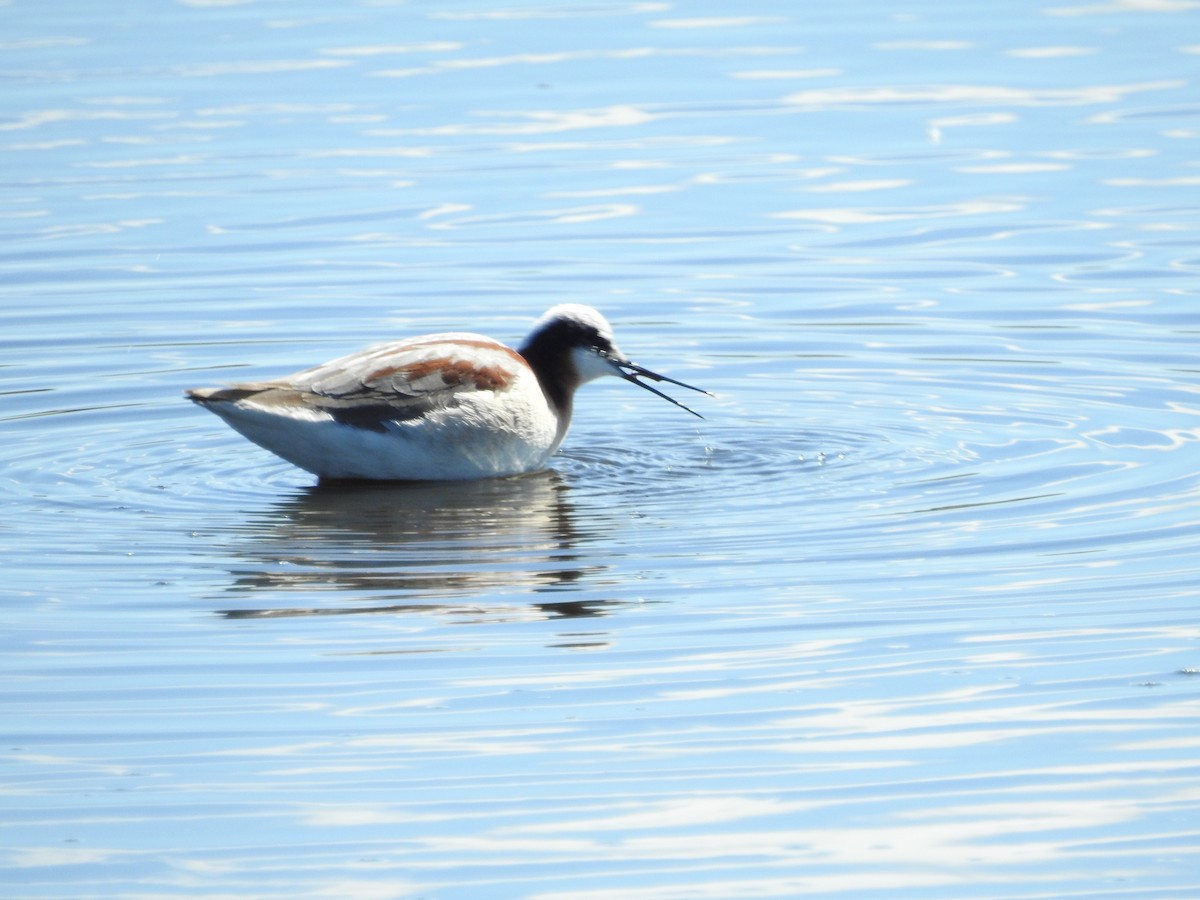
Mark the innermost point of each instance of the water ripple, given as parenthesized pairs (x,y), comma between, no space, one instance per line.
(913,607)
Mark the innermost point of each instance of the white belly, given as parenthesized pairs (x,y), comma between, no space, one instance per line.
(487,434)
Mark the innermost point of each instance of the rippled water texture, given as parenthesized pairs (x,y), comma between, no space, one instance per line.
(911,613)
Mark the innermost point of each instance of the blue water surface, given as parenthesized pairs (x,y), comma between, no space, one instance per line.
(911,613)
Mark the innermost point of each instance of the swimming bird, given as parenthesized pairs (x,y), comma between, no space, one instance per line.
(450,406)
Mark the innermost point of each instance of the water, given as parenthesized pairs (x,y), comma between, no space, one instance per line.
(911,613)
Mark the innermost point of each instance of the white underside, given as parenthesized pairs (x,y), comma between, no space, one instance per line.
(487,435)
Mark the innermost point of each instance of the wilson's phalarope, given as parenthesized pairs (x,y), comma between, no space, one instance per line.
(441,407)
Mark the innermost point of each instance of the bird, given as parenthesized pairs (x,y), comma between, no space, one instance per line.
(451,406)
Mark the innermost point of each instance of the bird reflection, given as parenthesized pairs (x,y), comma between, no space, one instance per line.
(419,547)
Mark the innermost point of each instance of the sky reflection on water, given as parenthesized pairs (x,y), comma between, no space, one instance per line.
(911,613)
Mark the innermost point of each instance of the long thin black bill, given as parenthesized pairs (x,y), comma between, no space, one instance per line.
(634,371)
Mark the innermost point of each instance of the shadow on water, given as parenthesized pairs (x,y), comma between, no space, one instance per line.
(421,547)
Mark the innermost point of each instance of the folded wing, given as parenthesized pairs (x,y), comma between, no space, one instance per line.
(398,382)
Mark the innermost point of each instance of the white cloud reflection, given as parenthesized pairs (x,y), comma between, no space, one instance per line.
(1050,52)
(359,50)
(718,22)
(783,74)
(535,122)
(257,67)
(1124,6)
(557,57)
(823,98)
(516,13)
(872,215)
